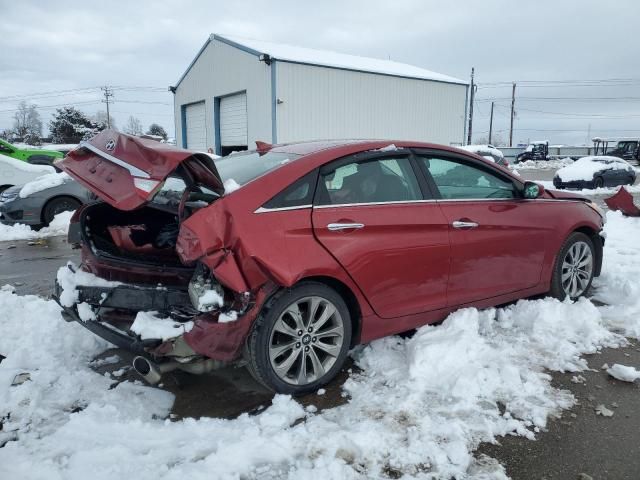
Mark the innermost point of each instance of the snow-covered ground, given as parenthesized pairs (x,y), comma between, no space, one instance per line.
(418,407)
(59,226)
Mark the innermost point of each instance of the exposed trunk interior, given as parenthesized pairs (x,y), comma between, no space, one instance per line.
(146,235)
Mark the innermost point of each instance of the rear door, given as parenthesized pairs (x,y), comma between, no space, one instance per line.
(371,214)
(498,240)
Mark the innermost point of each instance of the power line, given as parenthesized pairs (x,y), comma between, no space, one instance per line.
(108,93)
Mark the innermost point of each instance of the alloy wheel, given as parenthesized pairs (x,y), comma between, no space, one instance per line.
(306,340)
(577,269)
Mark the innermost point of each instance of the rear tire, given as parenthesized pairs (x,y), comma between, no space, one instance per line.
(574,269)
(300,340)
(58,205)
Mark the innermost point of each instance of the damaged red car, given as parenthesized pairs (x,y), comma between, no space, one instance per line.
(287,256)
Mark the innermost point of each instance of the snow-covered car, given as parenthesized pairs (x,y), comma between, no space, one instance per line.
(36,203)
(16,172)
(595,172)
(489,152)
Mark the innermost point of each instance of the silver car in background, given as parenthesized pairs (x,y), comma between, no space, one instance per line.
(37,203)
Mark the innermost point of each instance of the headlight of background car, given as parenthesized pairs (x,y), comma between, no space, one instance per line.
(8,197)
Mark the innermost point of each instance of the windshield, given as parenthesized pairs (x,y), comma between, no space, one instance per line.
(246,166)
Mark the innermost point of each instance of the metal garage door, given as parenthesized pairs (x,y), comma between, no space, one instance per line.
(233,120)
(196,127)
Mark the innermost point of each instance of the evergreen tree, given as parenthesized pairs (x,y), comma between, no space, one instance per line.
(155,129)
(70,125)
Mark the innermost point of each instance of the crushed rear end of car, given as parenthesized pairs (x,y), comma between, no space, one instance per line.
(146,281)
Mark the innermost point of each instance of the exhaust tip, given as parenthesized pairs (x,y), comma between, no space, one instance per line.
(146,370)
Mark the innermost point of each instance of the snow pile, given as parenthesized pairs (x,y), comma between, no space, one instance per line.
(58,226)
(419,406)
(11,162)
(586,167)
(56,354)
(544,164)
(624,373)
(619,284)
(389,148)
(43,183)
(148,325)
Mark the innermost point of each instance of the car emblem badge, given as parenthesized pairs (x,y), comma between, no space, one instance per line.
(111,144)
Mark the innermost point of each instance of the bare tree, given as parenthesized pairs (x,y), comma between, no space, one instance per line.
(27,123)
(100,118)
(133,126)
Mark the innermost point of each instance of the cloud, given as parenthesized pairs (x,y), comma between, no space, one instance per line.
(71,44)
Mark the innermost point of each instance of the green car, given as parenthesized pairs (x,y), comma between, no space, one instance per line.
(35,156)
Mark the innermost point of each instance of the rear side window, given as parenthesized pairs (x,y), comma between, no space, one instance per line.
(369,181)
(245,166)
(298,194)
(457,180)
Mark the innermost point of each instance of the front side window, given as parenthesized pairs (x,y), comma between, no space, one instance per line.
(370,181)
(457,180)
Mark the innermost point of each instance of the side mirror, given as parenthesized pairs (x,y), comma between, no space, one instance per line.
(532,190)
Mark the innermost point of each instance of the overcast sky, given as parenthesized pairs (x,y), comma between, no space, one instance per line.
(50,48)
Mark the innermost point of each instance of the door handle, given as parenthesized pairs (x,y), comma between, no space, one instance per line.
(334,227)
(461,224)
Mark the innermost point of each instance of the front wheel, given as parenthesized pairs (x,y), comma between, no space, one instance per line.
(56,206)
(300,340)
(574,268)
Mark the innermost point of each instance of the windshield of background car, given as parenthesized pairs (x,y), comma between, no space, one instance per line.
(246,166)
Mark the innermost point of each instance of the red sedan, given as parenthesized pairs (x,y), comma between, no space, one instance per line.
(289,255)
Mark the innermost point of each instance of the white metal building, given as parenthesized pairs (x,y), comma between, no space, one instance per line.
(237,91)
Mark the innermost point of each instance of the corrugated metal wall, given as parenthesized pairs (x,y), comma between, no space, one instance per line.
(320,103)
(223,70)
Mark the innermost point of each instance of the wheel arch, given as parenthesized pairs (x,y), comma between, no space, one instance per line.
(597,244)
(57,197)
(349,298)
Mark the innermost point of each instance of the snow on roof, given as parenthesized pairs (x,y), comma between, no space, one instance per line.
(310,56)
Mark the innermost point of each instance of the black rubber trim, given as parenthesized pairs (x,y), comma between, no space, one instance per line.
(160,299)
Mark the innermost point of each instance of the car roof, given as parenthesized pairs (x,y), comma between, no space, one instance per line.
(315,146)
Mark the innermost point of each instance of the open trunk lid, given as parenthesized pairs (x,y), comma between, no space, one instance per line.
(127,171)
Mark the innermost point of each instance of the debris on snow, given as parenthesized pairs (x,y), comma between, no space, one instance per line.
(20,378)
(578,379)
(624,373)
(604,411)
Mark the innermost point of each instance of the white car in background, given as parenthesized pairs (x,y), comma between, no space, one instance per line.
(16,172)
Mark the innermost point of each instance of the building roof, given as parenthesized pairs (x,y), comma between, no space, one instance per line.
(325,58)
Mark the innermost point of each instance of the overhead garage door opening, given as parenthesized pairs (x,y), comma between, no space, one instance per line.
(233,123)
(196,128)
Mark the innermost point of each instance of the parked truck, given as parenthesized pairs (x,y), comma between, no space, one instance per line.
(534,151)
(627,148)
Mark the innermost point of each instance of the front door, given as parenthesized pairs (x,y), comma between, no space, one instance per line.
(371,215)
(498,240)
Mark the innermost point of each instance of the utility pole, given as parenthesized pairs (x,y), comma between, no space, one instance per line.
(473,93)
(513,103)
(491,124)
(108,93)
